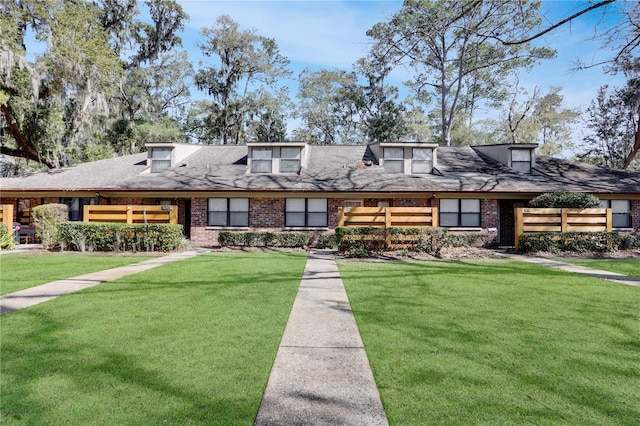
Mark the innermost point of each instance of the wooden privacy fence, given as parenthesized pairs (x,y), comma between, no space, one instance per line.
(131,214)
(388,217)
(530,220)
(6,215)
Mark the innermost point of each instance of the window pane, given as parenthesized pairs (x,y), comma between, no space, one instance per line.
(291,153)
(448,219)
(294,219)
(239,204)
(161,153)
(621,220)
(421,167)
(521,155)
(620,206)
(317,219)
(217,205)
(394,166)
(397,153)
(449,205)
(295,205)
(217,219)
(261,153)
(159,165)
(261,166)
(470,219)
(521,166)
(317,204)
(470,206)
(289,166)
(604,204)
(239,219)
(422,154)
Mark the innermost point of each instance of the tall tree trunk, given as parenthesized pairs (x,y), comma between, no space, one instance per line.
(635,149)
(26,148)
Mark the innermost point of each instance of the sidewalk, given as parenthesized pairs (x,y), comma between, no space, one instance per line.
(597,273)
(321,374)
(42,293)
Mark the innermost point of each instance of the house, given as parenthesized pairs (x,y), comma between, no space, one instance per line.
(298,186)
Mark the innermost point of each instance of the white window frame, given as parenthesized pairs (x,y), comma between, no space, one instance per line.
(462,210)
(228,208)
(391,159)
(621,212)
(290,159)
(422,166)
(160,159)
(306,209)
(521,165)
(259,161)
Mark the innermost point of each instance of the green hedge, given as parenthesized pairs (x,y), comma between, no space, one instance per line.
(580,242)
(96,236)
(565,199)
(263,239)
(426,240)
(46,220)
(6,238)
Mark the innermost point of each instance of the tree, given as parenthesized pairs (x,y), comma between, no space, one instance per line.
(244,61)
(449,45)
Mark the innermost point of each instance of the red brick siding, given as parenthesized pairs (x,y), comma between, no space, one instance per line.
(489,212)
(635,215)
(266,213)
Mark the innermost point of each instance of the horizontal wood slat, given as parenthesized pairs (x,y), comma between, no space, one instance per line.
(131,214)
(6,215)
(389,216)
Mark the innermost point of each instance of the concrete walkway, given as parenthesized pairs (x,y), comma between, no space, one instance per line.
(321,374)
(597,273)
(42,293)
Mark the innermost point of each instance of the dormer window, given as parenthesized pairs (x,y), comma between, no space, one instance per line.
(422,161)
(160,159)
(262,159)
(521,160)
(394,160)
(290,159)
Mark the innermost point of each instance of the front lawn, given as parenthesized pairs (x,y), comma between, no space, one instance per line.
(20,271)
(191,342)
(497,342)
(626,266)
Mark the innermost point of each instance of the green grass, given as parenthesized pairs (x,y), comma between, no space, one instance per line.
(20,271)
(497,342)
(625,266)
(191,342)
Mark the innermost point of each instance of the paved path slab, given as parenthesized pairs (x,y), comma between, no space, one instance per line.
(597,273)
(321,375)
(42,293)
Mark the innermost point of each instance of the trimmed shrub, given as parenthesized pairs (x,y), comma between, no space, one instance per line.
(577,242)
(46,220)
(326,241)
(565,199)
(6,238)
(263,239)
(96,236)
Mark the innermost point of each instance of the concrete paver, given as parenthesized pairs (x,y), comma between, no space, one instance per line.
(597,273)
(42,293)
(321,374)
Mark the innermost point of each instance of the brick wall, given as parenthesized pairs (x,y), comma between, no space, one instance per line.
(635,215)
(266,213)
(489,212)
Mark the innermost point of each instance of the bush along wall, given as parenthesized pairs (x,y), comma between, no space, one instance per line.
(263,239)
(46,220)
(6,238)
(565,199)
(363,241)
(577,242)
(96,236)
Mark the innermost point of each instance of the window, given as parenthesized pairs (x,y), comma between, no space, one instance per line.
(460,212)
(422,161)
(261,160)
(621,211)
(306,212)
(350,204)
(290,159)
(76,206)
(394,160)
(160,159)
(521,160)
(228,212)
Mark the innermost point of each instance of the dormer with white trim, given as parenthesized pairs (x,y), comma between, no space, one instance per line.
(408,158)
(518,156)
(277,157)
(162,155)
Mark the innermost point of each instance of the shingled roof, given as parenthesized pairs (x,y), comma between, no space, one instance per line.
(329,169)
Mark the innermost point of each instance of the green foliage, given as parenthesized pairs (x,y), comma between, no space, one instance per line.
(96,236)
(6,238)
(579,242)
(326,241)
(263,239)
(363,241)
(565,199)
(47,219)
